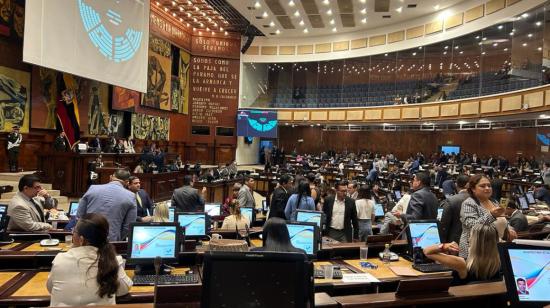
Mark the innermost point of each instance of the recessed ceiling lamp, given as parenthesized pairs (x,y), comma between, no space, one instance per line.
(297,13)
(257,5)
(436,7)
(306,30)
(272,24)
(264,15)
(291,3)
(302,22)
(278,31)
(326,2)
(334,29)
(329,12)
(399,9)
(332,21)
(364,20)
(364,11)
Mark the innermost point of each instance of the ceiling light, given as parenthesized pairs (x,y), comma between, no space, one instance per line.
(332,22)
(524,44)
(538,23)
(291,3)
(364,11)
(325,2)
(539,49)
(456,47)
(272,24)
(544,116)
(505,49)
(385,55)
(297,13)
(257,5)
(399,9)
(436,7)
(484,121)
(364,20)
(461,52)
(306,30)
(334,29)
(363,1)
(495,44)
(524,15)
(530,35)
(174,3)
(329,12)
(500,27)
(414,53)
(264,15)
(483,53)
(226,33)
(462,122)
(278,31)
(302,22)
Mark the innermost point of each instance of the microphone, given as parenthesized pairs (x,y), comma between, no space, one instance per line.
(399,235)
(157,263)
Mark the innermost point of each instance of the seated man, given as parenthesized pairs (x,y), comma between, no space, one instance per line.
(26,208)
(516,219)
(391,219)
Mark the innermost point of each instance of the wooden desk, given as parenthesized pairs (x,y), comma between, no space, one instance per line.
(473,292)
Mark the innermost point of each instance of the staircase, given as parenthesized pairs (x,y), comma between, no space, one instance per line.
(12,179)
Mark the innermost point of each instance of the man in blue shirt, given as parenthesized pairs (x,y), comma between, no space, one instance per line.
(113,201)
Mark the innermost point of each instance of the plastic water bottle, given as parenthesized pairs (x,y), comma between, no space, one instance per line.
(386,255)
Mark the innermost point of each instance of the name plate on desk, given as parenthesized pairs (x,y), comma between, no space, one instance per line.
(359,278)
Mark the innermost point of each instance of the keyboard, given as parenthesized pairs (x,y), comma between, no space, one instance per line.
(149,280)
(320,273)
(431,268)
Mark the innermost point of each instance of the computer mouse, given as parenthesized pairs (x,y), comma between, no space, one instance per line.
(49,242)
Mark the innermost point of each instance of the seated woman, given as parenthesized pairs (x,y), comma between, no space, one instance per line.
(90,273)
(483,262)
(161,213)
(276,237)
(235,220)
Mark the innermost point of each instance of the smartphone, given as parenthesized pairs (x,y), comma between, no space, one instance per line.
(504,203)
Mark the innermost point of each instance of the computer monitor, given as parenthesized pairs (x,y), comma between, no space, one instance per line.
(304,235)
(225,274)
(527,273)
(264,206)
(73,208)
(378,210)
(3,215)
(522,201)
(150,240)
(421,234)
(194,224)
(397,194)
(310,216)
(248,212)
(439,213)
(530,198)
(171,214)
(213,209)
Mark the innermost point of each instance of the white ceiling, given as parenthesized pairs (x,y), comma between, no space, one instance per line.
(347,15)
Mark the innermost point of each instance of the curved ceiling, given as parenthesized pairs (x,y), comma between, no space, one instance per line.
(301,18)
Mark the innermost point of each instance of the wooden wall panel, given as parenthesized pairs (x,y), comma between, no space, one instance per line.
(511,103)
(337,115)
(430,111)
(305,49)
(449,110)
(493,6)
(284,115)
(253,50)
(354,115)
(359,43)
(340,46)
(535,99)
(287,50)
(373,114)
(301,115)
(411,113)
(473,13)
(392,114)
(434,27)
(469,108)
(377,40)
(454,21)
(269,50)
(396,36)
(319,115)
(490,105)
(322,48)
(415,32)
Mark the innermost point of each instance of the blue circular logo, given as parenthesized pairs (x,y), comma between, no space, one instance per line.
(110,32)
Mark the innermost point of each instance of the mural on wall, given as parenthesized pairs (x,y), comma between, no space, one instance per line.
(12,18)
(124,99)
(180,80)
(150,127)
(158,75)
(98,108)
(44,95)
(14,99)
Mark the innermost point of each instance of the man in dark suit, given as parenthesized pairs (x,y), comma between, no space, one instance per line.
(60,143)
(280,196)
(143,201)
(341,215)
(516,219)
(423,204)
(451,227)
(187,198)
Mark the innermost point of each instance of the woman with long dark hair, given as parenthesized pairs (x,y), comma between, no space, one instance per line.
(301,200)
(90,272)
(276,237)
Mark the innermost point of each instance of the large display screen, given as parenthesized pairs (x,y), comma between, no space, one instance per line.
(97,39)
(149,242)
(303,237)
(531,269)
(257,123)
(450,149)
(194,223)
(424,234)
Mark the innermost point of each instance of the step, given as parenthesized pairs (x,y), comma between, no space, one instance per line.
(9,195)
(15,184)
(8,176)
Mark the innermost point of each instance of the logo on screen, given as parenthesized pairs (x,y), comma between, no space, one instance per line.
(110,33)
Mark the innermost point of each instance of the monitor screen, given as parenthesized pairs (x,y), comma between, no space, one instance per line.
(397,195)
(424,234)
(378,210)
(171,212)
(213,209)
(531,271)
(523,203)
(450,149)
(439,213)
(194,224)
(257,123)
(73,208)
(149,241)
(530,197)
(303,236)
(309,216)
(248,212)
(3,209)
(264,205)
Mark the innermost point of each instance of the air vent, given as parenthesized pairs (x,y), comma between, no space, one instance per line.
(259,17)
(272,33)
(250,8)
(386,16)
(265,26)
(411,6)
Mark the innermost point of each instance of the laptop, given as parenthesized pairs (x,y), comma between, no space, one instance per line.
(378,210)
(522,202)
(530,198)
(73,208)
(421,234)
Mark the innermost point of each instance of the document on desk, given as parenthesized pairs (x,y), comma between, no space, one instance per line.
(359,278)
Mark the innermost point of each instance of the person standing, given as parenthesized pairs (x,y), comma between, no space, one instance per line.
(60,143)
(280,196)
(451,227)
(341,215)
(246,196)
(187,198)
(113,201)
(143,201)
(423,203)
(365,212)
(14,142)
(301,200)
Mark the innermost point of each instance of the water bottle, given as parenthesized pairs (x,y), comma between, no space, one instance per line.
(386,255)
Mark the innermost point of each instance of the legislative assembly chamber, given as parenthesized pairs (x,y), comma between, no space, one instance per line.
(275,153)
